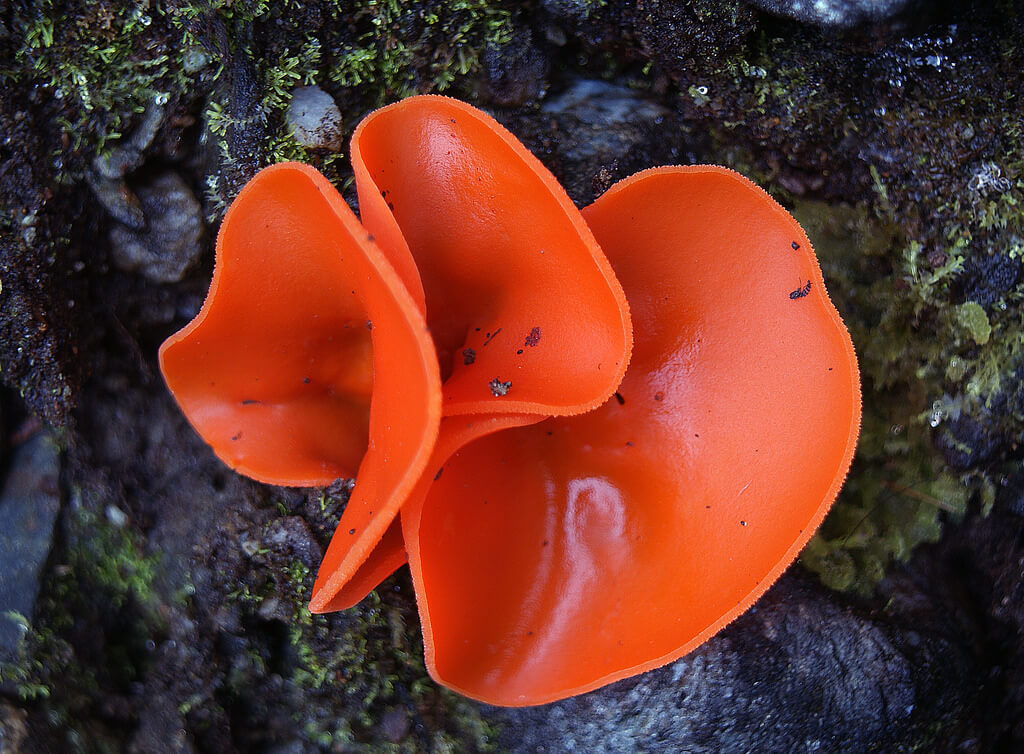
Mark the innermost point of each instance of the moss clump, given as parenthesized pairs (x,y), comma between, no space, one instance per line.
(97,623)
(103,63)
(363,53)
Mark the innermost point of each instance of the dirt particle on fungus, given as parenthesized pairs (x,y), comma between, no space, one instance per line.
(659,396)
(369,324)
(468,356)
(249,402)
(743,523)
(629,443)
(519,352)
(306,380)
(438,474)
(795,246)
(491,336)
(620,399)
(499,388)
(237,437)
(370,238)
(533,338)
(351,531)
(801,292)
(545,543)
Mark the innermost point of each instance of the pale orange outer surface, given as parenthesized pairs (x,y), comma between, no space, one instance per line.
(553,559)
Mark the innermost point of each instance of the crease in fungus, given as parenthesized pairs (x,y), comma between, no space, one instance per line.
(279,376)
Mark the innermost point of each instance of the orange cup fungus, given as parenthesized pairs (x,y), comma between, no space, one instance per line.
(463,350)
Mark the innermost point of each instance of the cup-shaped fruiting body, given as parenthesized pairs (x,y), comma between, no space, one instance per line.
(552,559)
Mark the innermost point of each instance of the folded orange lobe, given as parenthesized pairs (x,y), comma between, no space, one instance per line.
(305,316)
(551,559)
(523,307)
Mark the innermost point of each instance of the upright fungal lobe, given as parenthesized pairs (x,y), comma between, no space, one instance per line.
(277,369)
(559,538)
(488,240)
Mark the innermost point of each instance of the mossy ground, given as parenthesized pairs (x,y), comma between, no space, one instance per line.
(901,152)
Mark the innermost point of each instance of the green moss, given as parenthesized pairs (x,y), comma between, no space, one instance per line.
(402,49)
(102,62)
(95,622)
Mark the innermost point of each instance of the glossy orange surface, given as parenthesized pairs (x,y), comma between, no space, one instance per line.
(304,319)
(523,307)
(555,558)
(524,310)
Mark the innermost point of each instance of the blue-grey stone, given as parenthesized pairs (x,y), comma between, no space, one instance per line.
(29,503)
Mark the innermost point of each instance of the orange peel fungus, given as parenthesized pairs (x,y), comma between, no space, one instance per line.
(463,350)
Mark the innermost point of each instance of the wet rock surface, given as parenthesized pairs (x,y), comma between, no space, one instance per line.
(314,119)
(29,503)
(836,13)
(170,614)
(168,242)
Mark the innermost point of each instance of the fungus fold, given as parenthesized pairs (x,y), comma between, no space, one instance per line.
(458,348)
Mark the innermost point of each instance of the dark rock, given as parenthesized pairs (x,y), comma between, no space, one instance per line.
(986,278)
(13,729)
(692,36)
(29,504)
(603,132)
(798,672)
(171,241)
(109,170)
(967,442)
(1010,493)
(836,13)
(516,72)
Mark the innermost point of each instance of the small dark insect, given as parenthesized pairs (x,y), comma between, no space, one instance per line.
(369,324)
(237,437)
(306,380)
(351,531)
(795,246)
(249,402)
(743,523)
(801,292)
(499,388)
(438,474)
(620,399)
(533,338)
(468,356)
(491,336)
(519,352)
